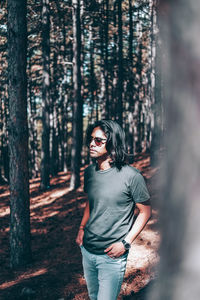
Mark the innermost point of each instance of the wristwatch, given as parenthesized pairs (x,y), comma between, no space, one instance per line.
(127,246)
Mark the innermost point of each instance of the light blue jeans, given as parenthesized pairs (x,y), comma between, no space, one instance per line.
(103,274)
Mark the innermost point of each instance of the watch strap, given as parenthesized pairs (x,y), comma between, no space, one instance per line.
(127,246)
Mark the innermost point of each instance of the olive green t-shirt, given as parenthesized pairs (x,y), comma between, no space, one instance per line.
(112,195)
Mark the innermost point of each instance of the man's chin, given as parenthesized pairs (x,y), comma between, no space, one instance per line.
(93,155)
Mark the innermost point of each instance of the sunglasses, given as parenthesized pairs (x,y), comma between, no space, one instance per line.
(98,141)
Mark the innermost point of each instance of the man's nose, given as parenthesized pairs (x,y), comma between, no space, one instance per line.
(92,143)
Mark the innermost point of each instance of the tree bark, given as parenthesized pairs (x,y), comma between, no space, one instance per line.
(106,61)
(77,126)
(33,138)
(104,36)
(20,244)
(120,66)
(180,205)
(130,87)
(45,159)
(92,73)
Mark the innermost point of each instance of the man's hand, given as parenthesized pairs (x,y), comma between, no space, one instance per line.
(79,238)
(115,250)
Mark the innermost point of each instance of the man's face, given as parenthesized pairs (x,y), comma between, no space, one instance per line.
(98,144)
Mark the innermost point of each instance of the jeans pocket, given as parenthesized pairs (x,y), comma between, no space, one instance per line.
(114,259)
(120,258)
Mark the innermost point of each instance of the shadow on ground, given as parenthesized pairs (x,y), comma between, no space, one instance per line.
(56,270)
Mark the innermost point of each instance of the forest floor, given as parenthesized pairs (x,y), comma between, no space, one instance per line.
(56,270)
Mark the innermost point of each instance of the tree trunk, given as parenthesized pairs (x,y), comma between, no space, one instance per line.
(45,159)
(63,134)
(77,126)
(130,87)
(1,144)
(54,121)
(120,66)
(33,138)
(156,128)
(92,73)
(63,125)
(139,111)
(20,244)
(4,136)
(104,26)
(180,205)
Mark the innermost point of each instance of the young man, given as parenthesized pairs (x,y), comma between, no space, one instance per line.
(107,228)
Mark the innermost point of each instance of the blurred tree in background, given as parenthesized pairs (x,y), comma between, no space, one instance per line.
(179,203)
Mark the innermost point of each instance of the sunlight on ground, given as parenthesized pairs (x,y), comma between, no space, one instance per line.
(143,259)
(51,196)
(45,198)
(22,277)
(4,211)
(5,194)
(55,214)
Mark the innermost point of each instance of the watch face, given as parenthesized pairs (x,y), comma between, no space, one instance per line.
(127,246)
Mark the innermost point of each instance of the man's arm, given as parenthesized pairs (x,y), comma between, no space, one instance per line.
(117,249)
(140,222)
(86,215)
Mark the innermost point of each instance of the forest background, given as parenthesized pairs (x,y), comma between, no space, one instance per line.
(85,61)
(66,64)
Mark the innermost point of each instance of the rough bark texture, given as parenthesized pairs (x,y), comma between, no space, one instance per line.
(77,100)
(45,162)
(120,66)
(18,135)
(130,89)
(180,247)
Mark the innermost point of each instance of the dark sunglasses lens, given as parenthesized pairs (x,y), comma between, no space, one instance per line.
(98,142)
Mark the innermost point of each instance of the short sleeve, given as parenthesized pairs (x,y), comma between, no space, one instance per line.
(139,189)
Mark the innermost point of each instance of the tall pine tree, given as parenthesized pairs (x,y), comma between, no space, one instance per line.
(18,135)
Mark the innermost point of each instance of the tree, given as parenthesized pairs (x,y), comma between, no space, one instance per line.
(45,162)
(104,37)
(77,126)
(120,65)
(130,85)
(180,206)
(20,244)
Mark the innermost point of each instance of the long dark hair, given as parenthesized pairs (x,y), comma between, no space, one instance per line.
(115,143)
